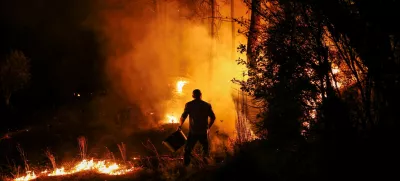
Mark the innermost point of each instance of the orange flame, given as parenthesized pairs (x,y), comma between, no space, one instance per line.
(179,86)
(102,166)
(172,119)
(336,71)
(29,176)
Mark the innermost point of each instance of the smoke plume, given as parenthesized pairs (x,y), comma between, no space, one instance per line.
(150,45)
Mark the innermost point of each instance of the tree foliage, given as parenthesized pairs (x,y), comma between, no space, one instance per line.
(337,73)
(14,73)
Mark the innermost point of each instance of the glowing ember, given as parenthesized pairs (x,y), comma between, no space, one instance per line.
(306,124)
(335,70)
(338,85)
(102,166)
(253,136)
(172,119)
(179,86)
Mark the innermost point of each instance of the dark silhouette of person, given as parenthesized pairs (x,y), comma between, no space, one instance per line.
(198,111)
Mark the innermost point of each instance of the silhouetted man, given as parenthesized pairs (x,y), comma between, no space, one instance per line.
(198,112)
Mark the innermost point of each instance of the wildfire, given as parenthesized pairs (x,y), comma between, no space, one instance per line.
(102,166)
(179,86)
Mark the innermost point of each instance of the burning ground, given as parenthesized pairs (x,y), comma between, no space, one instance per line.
(108,157)
(147,158)
(154,162)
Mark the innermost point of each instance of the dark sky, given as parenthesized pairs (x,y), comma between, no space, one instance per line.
(64,52)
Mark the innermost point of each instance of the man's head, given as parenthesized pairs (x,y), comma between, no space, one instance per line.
(196,94)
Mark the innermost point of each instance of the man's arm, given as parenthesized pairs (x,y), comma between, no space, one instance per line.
(184,114)
(212,117)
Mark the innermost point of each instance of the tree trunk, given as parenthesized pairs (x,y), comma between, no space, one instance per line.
(253,31)
(233,29)
(212,46)
(213,4)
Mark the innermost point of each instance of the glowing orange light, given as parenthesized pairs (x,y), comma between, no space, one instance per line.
(172,119)
(29,176)
(335,69)
(179,86)
(102,166)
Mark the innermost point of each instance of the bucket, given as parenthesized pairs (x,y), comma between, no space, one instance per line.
(175,141)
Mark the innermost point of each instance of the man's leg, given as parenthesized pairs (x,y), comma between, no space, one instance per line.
(203,139)
(190,143)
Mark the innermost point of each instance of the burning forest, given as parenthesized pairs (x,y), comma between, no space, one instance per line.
(273,89)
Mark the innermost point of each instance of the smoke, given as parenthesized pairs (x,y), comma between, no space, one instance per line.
(150,45)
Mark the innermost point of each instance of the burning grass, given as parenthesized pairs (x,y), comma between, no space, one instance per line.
(105,167)
(154,167)
(97,166)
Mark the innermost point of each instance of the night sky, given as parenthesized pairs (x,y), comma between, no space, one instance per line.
(64,53)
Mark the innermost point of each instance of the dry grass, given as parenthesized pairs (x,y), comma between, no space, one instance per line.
(242,123)
(82,146)
(23,157)
(52,159)
(153,167)
(170,167)
(15,169)
(122,150)
(109,155)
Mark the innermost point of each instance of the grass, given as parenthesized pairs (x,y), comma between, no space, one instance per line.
(257,159)
(51,158)
(155,162)
(265,161)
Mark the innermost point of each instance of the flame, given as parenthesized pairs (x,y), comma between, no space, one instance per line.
(102,166)
(179,86)
(172,119)
(29,176)
(253,136)
(338,85)
(335,70)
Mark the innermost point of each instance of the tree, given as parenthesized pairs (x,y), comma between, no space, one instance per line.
(253,30)
(14,74)
(278,76)
(291,71)
(301,45)
(372,34)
